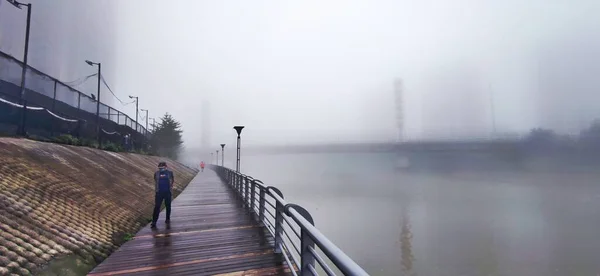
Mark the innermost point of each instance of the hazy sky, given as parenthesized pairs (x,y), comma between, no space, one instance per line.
(321,71)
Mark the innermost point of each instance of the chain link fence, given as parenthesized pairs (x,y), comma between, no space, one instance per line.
(49,109)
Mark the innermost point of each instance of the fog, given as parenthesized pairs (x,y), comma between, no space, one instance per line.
(297,72)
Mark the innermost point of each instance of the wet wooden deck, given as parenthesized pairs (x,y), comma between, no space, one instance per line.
(210,234)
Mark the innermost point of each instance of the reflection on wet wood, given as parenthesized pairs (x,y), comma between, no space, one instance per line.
(209,234)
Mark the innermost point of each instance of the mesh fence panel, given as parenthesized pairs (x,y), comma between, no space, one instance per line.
(113,116)
(66,95)
(39,83)
(104,111)
(88,105)
(10,115)
(10,70)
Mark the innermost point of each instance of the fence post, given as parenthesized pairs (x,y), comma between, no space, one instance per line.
(79,114)
(79,103)
(54,97)
(53,106)
(279,210)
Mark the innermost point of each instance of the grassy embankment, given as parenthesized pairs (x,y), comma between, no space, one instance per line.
(63,209)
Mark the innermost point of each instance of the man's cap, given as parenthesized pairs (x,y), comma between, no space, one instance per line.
(162,164)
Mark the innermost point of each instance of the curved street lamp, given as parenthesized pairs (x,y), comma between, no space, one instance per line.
(222,155)
(238,129)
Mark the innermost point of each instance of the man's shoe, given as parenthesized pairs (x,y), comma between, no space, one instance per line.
(153,225)
(167,221)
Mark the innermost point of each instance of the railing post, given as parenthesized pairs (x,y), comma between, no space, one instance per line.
(234,182)
(246,190)
(252,195)
(240,186)
(279,210)
(306,242)
(261,206)
(236,179)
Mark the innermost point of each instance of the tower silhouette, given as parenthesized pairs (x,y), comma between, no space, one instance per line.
(399,100)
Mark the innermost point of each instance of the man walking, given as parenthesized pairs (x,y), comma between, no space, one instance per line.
(164,180)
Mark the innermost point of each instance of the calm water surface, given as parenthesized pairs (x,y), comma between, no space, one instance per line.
(398,223)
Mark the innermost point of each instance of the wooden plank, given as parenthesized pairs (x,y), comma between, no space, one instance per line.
(210,233)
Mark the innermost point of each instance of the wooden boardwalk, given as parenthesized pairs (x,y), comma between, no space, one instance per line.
(210,234)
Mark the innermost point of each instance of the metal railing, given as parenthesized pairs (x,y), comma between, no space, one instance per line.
(305,249)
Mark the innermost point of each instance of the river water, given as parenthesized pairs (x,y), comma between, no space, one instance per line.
(461,223)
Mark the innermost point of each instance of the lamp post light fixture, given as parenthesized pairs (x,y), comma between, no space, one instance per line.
(90,63)
(19,5)
(238,129)
(222,155)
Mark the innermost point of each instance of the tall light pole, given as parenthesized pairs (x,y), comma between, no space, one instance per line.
(217,157)
(90,63)
(146,118)
(211,156)
(222,155)
(238,129)
(136,111)
(18,5)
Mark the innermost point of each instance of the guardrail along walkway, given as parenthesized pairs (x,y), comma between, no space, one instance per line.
(210,233)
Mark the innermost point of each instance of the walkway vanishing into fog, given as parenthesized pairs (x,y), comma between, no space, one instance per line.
(210,233)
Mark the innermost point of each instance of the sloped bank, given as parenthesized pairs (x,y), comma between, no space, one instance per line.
(63,209)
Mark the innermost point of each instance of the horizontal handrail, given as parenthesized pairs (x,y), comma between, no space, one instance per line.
(303,257)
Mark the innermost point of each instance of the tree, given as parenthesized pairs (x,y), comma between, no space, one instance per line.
(166,139)
(590,138)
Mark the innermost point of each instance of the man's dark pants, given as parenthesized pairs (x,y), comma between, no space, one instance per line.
(158,199)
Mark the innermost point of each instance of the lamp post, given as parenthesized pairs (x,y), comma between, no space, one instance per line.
(217,157)
(238,129)
(136,111)
(146,118)
(211,156)
(18,5)
(90,63)
(222,155)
